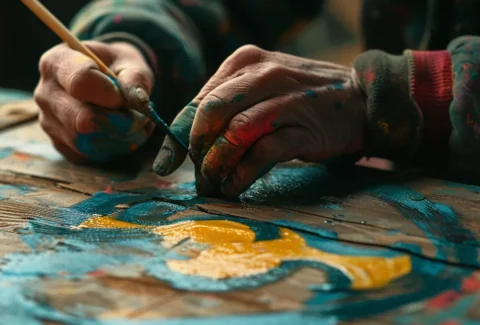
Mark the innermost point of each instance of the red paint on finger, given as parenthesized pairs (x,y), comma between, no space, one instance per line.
(229,148)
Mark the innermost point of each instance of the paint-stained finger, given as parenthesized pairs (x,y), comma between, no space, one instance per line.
(241,134)
(171,155)
(280,146)
(217,109)
(87,84)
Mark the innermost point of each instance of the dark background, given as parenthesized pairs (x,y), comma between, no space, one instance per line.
(24,38)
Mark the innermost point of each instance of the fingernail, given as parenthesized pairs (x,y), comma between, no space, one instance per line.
(164,161)
(142,95)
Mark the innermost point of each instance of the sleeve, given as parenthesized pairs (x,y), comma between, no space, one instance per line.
(423,107)
(172,42)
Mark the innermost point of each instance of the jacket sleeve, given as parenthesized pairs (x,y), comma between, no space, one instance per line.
(423,107)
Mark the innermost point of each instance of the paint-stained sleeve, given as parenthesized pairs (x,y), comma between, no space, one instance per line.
(424,108)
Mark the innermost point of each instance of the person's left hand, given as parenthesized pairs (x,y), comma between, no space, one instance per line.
(262,108)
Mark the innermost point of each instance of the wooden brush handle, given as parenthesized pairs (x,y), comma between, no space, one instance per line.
(58,28)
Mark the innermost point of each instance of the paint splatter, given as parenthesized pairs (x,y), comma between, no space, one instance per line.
(238,98)
(311,93)
(338,86)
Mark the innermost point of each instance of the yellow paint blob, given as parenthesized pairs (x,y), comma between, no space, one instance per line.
(108,222)
(233,252)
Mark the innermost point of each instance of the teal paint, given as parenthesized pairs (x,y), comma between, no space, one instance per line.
(471,188)
(327,233)
(214,104)
(433,218)
(238,98)
(311,93)
(5,152)
(11,95)
(7,191)
(338,86)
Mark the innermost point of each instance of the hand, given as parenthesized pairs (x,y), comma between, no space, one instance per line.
(83,111)
(262,108)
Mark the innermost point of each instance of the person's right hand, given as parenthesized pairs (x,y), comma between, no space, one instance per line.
(83,111)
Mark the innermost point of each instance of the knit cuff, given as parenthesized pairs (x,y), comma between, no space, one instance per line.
(394,119)
(431,86)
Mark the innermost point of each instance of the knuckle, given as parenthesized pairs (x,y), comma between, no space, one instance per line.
(144,78)
(249,51)
(273,70)
(211,103)
(84,122)
(245,55)
(77,82)
(263,148)
(241,122)
(49,58)
(39,95)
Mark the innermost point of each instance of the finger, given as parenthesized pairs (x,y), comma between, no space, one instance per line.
(229,99)
(280,146)
(135,77)
(79,75)
(241,133)
(171,155)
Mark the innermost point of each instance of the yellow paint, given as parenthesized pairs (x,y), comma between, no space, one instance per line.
(108,222)
(233,252)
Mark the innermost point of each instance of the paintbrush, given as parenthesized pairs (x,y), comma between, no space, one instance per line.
(58,28)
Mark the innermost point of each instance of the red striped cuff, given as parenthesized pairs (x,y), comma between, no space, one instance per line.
(431,84)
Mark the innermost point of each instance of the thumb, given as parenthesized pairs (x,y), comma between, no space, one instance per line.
(136,86)
(171,155)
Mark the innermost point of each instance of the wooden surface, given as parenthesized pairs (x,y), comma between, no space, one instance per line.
(306,245)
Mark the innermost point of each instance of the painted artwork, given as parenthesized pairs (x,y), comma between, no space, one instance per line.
(305,245)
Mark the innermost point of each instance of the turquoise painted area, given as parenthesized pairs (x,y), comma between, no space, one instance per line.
(433,218)
(11,95)
(472,188)
(115,136)
(62,251)
(5,152)
(100,147)
(7,191)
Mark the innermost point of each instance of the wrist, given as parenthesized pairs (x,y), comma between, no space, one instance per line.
(431,86)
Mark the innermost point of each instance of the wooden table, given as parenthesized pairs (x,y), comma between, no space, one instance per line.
(306,245)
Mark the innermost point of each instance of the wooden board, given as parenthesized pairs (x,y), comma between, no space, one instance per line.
(306,245)
(17,112)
